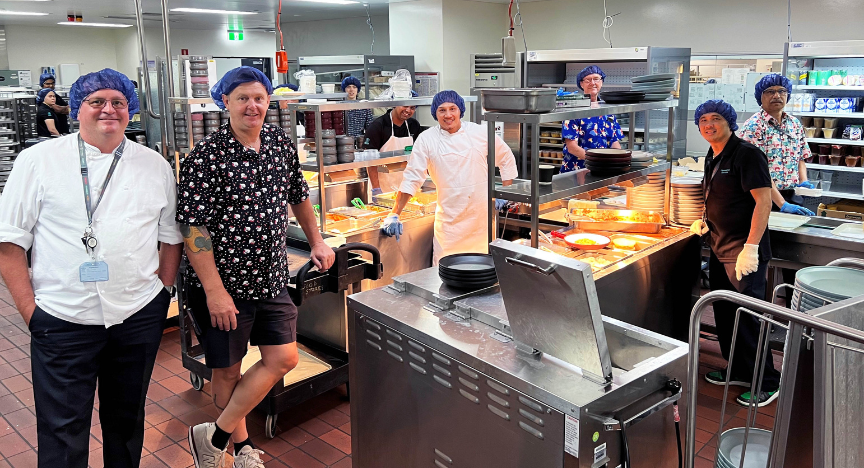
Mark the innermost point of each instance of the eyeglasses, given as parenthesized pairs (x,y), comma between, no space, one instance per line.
(592,80)
(99,103)
(778,92)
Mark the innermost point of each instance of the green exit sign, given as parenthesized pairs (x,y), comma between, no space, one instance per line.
(234,35)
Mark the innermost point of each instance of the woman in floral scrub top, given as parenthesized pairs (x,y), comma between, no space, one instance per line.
(591,133)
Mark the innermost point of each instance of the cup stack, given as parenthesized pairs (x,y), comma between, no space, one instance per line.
(198,71)
(344,149)
(212,120)
(197,127)
(181,135)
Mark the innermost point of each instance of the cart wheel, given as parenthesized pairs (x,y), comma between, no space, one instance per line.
(270,426)
(197,381)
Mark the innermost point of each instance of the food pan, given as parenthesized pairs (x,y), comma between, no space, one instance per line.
(421,202)
(648,222)
(519,100)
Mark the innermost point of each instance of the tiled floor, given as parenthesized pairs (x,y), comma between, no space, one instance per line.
(316,434)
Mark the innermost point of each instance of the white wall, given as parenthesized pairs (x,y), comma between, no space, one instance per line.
(706,26)
(470,28)
(417,28)
(32,47)
(349,36)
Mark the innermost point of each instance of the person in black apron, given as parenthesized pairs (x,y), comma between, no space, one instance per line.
(737,189)
(60,106)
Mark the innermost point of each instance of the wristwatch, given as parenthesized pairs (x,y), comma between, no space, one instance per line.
(171,289)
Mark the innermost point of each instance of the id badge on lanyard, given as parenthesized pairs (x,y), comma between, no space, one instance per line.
(707,187)
(94,270)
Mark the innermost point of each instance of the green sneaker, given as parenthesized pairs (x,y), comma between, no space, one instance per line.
(719,378)
(765,398)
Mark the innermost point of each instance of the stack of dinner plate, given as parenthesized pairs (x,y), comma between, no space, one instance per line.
(656,87)
(831,283)
(607,161)
(641,159)
(688,201)
(649,196)
(467,271)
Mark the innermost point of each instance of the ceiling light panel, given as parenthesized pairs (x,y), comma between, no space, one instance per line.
(219,12)
(95,25)
(22,13)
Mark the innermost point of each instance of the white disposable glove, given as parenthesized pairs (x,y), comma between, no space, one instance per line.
(748,261)
(699,227)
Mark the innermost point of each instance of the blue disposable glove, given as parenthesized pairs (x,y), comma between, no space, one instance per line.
(796,210)
(377,191)
(392,226)
(806,184)
(500,204)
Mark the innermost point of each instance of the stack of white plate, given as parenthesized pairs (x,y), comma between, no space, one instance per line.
(649,196)
(656,87)
(732,444)
(688,202)
(833,283)
(640,159)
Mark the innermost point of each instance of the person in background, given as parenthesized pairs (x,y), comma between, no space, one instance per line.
(356,119)
(392,131)
(234,191)
(60,107)
(781,137)
(96,305)
(45,118)
(737,188)
(455,156)
(591,133)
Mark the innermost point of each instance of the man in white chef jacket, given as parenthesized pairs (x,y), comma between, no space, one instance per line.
(93,207)
(454,155)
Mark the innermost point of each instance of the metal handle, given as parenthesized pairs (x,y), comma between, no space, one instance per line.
(546,271)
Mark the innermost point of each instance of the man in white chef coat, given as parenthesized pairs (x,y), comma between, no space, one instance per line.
(454,154)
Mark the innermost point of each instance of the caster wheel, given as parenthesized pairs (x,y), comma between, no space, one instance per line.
(197,381)
(270,426)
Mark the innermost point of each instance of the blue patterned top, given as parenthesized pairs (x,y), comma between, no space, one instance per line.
(590,133)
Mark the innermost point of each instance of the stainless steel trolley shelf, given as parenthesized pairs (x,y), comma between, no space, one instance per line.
(579,112)
(387,157)
(569,184)
(350,105)
(274,97)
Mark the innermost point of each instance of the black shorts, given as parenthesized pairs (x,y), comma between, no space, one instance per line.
(266,322)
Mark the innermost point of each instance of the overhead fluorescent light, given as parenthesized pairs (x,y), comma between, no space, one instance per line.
(332,2)
(219,12)
(22,13)
(94,25)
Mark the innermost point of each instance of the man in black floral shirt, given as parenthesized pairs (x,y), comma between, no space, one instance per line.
(234,191)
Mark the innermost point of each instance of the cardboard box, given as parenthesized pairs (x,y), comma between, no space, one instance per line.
(850,209)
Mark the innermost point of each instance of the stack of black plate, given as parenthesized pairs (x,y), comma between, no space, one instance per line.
(622,97)
(607,161)
(467,271)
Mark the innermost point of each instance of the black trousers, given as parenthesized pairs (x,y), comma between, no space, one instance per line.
(69,359)
(723,278)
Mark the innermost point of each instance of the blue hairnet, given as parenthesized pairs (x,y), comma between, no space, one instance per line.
(447,96)
(351,80)
(40,96)
(292,87)
(46,76)
(589,70)
(234,78)
(767,81)
(104,79)
(718,106)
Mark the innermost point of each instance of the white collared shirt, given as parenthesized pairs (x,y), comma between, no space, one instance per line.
(42,206)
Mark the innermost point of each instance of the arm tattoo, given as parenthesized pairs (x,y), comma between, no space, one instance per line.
(197,238)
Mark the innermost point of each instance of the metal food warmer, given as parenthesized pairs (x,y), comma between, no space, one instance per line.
(321,325)
(524,373)
(652,286)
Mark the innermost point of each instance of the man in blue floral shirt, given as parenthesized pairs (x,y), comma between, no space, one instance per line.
(591,133)
(781,137)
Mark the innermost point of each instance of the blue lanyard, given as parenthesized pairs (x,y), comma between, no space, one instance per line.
(85,177)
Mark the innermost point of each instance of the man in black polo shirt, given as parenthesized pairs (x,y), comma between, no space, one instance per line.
(737,189)
(60,107)
(392,131)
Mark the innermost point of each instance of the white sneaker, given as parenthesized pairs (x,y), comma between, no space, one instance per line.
(204,453)
(248,458)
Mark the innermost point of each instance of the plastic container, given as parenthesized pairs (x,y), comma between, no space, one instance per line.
(328,88)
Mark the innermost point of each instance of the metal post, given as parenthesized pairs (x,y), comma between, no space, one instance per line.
(143,49)
(631,134)
(490,158)
(535,184)
(670,139)
(791,352)
(169,93)
(322,198)
(163,123)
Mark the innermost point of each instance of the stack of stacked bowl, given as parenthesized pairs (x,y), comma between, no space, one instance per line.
(272,116)
(688,201)
(197,127)
(212,120)
(328,146)
(344,149)
(198,76)
(831,283)
(285,120)
(181,130)
(732,445)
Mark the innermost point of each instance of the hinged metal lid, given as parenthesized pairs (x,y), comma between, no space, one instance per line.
(552,305)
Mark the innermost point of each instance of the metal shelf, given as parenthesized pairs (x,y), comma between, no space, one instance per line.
(9,143)
(274,97)
(569,184)
(835,141)
(851,196)
(388,157)
(579,112)
(372,104)
(826,167)
(853,115)
(828,88)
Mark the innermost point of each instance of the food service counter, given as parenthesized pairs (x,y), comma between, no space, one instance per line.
(814,243)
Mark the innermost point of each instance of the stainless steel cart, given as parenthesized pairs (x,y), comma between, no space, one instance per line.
(309,292)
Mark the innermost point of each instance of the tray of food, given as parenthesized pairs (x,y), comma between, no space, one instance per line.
(631,242)
(353,212)
(600,259)
(423,202)
(649,222)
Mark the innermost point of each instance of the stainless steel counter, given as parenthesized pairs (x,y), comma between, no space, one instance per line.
(813,244)
(434,384)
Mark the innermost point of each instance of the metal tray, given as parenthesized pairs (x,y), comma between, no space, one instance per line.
(519,100)
(584,220)
(424,202)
